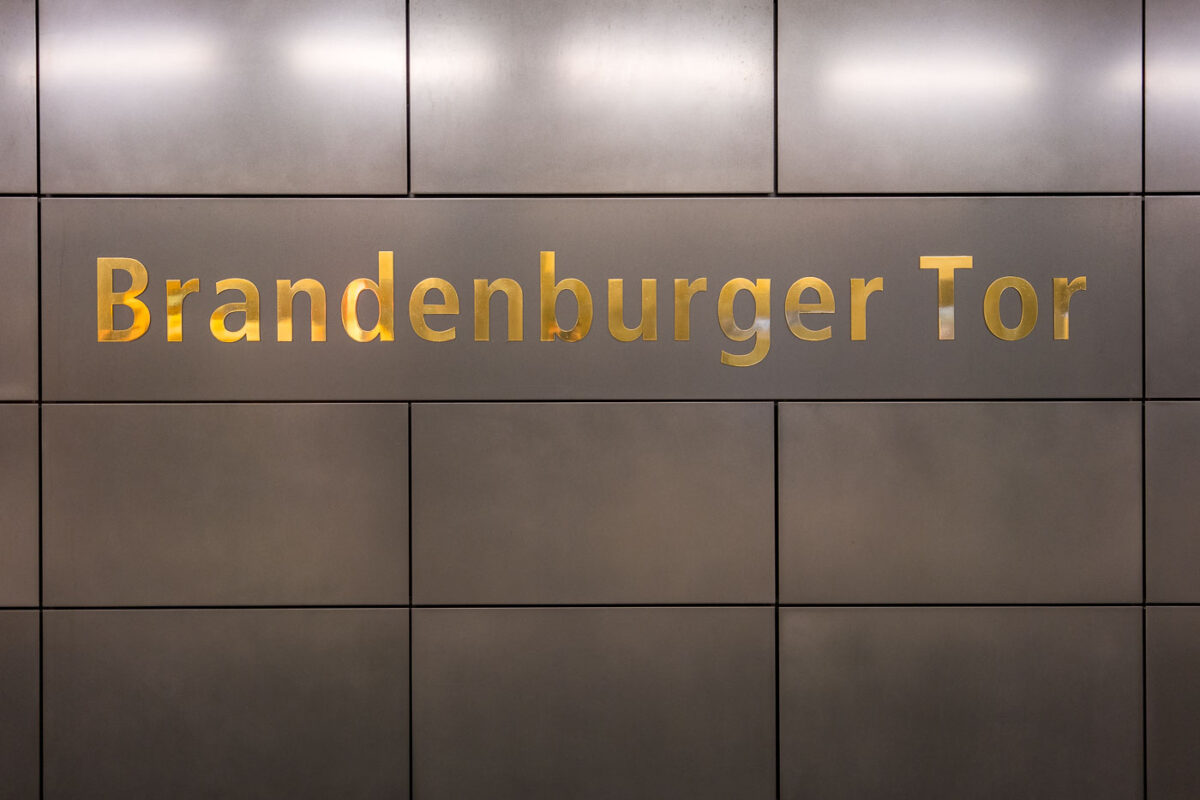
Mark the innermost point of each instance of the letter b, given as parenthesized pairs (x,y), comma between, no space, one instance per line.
(107,299)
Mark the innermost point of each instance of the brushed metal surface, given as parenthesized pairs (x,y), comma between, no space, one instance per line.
(18,96)
(1172,96)
(225,504)
(593,503)
(19,501)
(1172,281)
(591,96)
(593,703)
(839,239)
(1172,702)
(19,301)
(1172,507)
(960,702)
(19,726)
(302,703)
(960,502)
(929,96)
(192,97)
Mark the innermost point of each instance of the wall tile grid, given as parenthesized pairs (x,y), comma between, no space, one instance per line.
(902,568)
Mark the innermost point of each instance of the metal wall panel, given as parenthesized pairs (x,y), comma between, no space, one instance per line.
(19,301)
(460,240)
(1172,506)
(1172,284)
(596,96)
(19,712)
(593,703)
(961,702)
(18,96)
(1172,703)
(1172,96)
(226,703)
(19,501)
(929,96)
(226,504)
(960,503)
(193,97)
(593,503)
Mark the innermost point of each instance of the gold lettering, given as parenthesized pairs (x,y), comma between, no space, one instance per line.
(760,330)
(793,308)
(285,294)
(107,299)
(1029,308)
(859,292)
(175,294)
(647,327)
(384,291)
(945,266)
(249,329)
(418,309)
(1062,304)
(684,292)
(516,308)
(548,295)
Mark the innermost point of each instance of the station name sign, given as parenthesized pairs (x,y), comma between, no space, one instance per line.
(526,299)
(435,306)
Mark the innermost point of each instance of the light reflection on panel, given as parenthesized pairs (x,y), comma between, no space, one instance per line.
(132,59)
(977,97)
(18,97)
(1172,96)
(188,97)
(591,97)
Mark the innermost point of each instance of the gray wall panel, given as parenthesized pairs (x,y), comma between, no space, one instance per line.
(227,703)
(1172,96)
(19,501)
(960,502)
(593,503)
(596,239)
(595,96)
(226,504)
(192,97)
(593,703)
(929,96)
(1172,284)
(18,96)
(19,726)
(18,306)
(1172,702)
(1172,505)
(960,702)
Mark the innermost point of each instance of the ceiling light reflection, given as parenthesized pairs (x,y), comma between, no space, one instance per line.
(460,66)
(1128,76)
(146,58)
(348,56)
(911,78)
(1177,79)
(657,72)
